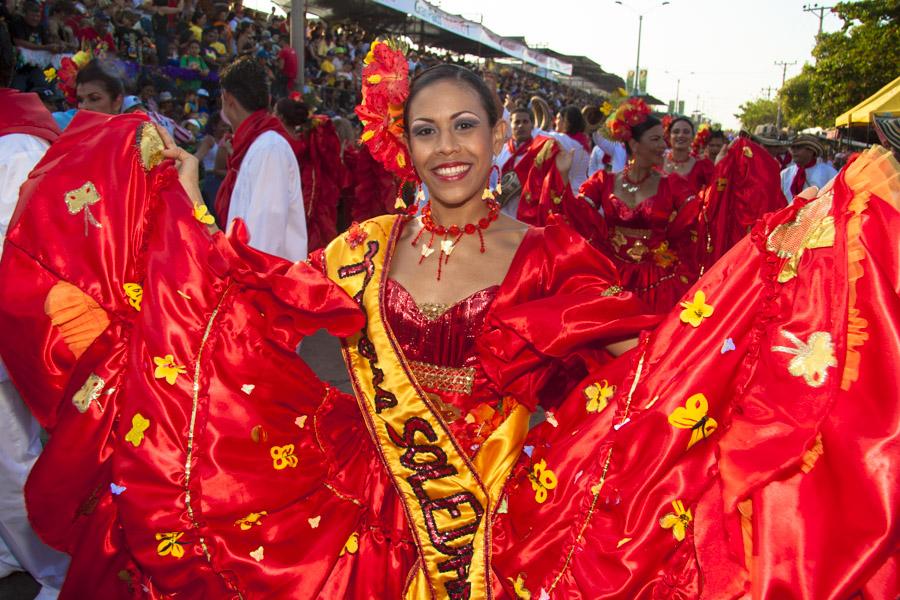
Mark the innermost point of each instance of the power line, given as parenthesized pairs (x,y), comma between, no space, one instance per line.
(815,8)
(784,65)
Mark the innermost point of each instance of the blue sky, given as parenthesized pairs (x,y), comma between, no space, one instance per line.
(730,46)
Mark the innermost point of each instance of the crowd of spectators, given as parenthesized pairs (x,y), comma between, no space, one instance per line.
(167,54)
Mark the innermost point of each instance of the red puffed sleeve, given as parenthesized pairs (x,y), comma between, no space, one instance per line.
(561,304)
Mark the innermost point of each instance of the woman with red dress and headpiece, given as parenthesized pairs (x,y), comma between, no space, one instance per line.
(194,453)
(640,217)
(696,169)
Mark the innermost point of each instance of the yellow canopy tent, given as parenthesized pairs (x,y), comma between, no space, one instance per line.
(887,99)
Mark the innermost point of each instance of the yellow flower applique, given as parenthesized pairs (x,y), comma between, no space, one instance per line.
(352,544)
(693,415)
(696,310)
(542,480)
(678,521)
(283,457)
(201,213)
(167,369)
(139,425)
(811,358)
(135,294)
(169,544)
(598,395)
(49,74)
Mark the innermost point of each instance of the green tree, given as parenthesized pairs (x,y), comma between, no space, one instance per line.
(757,112)
(850,64)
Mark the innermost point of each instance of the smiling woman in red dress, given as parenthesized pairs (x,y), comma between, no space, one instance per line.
(193,454)
(697,170)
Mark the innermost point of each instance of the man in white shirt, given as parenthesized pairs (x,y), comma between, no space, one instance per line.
(808,169)
(26,129)
(513,150)
(262,186)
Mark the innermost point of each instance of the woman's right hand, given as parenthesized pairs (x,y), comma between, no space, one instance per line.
(187,165)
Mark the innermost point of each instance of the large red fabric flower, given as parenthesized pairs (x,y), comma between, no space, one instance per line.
(384,93)
(630,113)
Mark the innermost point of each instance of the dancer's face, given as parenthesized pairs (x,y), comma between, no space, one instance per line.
(93,96)
(452,142)
(714,147)
(650,149)
(681,135)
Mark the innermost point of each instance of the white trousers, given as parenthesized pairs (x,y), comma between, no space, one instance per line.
(20,547)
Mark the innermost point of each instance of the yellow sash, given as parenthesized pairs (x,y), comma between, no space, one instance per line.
(449,499)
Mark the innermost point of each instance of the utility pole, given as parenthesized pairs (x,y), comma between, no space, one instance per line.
(298,38)
(784,66)
(815,8)
(637,66)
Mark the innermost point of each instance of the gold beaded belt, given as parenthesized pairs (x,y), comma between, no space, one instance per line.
(641,234)
(455,380)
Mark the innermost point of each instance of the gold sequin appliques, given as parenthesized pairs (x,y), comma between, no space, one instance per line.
(250,520)
(150,145)
(811,358)
(80,201)
(283,457)
(88,392)
(611,291)
(258,554)
(813,227)
(135,294)
(693,415)
(456,380)
(433,310)
(139,425)
(169,544)
(811,456)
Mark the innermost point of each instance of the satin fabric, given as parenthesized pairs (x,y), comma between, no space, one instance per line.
(700,175)
(323,175)
(746,185)
(25,113)
(797,464)
(541,182)
(371,189)
(196,503)
(252,127)
(650,244)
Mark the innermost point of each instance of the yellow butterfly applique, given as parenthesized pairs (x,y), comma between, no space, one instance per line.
(169,544)
(678,521)
(693,415)
(201,213)
(283,457)
(139,425)
(135,294)
(352,544)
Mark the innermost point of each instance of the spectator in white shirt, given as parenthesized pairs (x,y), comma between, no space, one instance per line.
(262,185)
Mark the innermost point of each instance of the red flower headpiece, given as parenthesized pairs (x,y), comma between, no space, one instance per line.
(667,127)
(630,113)
(67,73)
(701,139)
(384,92)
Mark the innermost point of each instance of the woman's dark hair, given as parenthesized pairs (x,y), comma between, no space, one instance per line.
(95,71)
(448,72)
(294,112)
(717,134)
(638,131)
(574,120)
(685,120)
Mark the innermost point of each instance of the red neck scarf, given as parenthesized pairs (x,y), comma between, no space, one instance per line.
(515,151)
(582,138)
(25,113)
(247,132)
(799,182)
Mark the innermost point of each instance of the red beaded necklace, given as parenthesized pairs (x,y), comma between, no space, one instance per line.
(453,234)
(629,184)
